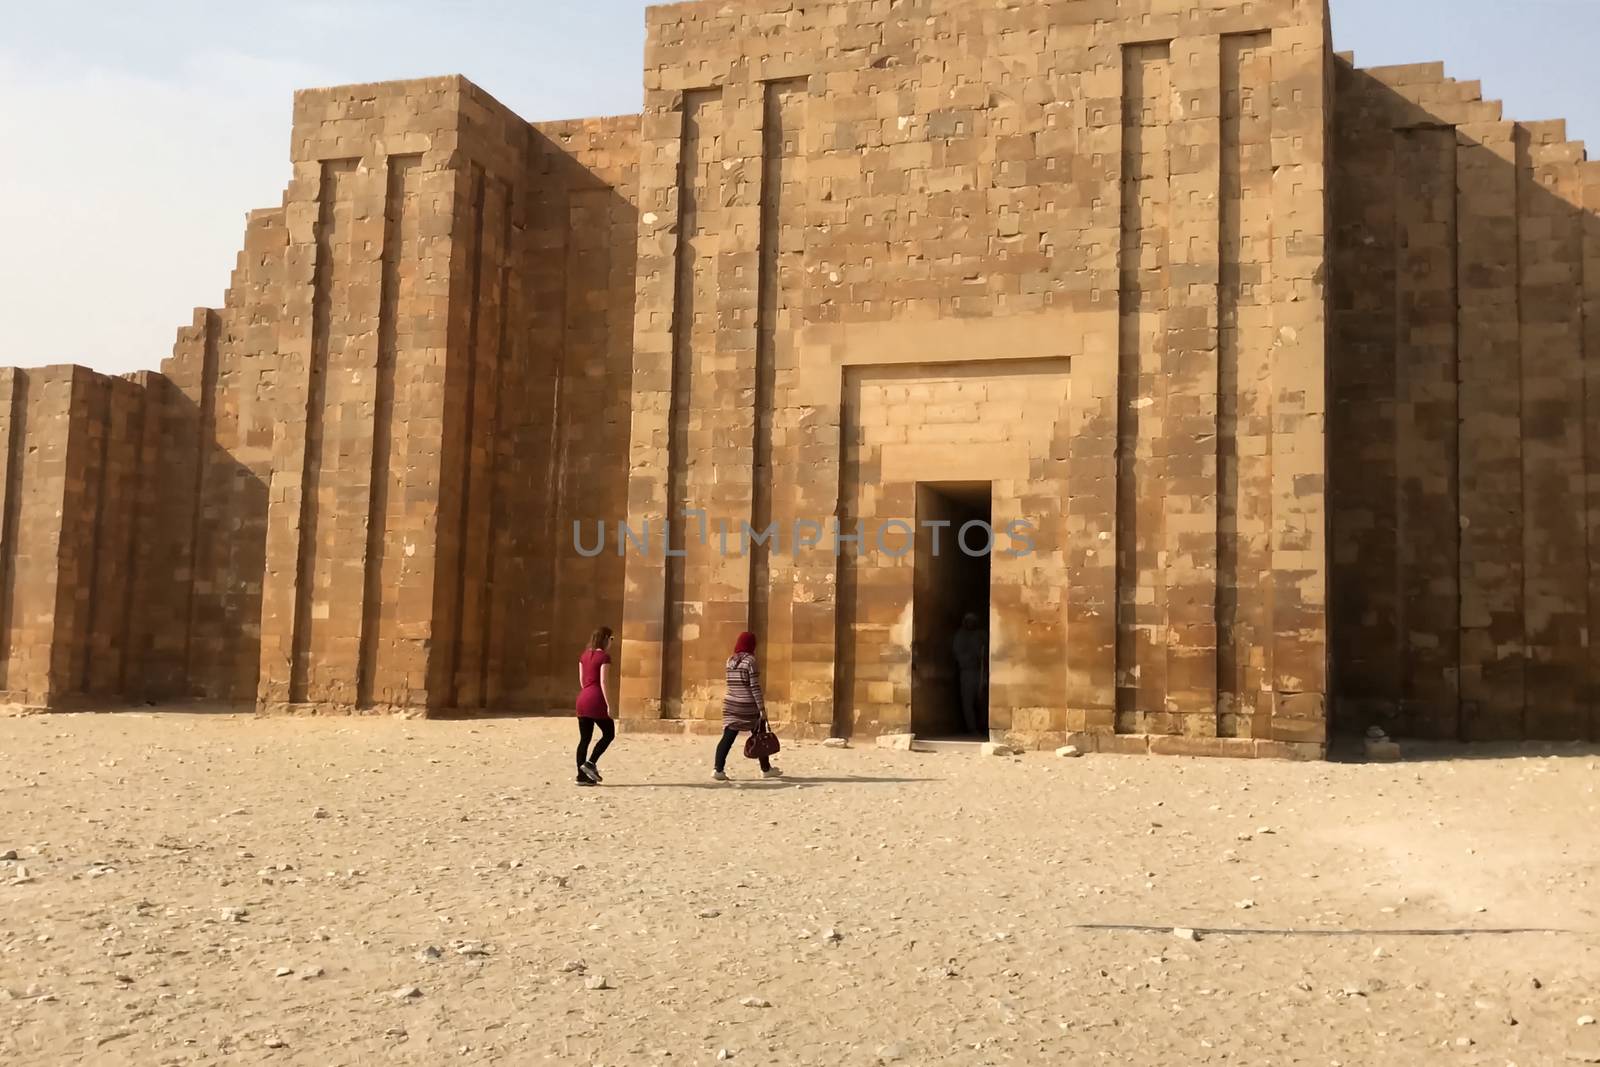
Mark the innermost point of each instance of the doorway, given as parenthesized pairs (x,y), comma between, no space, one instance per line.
(955,543)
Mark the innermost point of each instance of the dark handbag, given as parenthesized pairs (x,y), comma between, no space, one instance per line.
(762,742)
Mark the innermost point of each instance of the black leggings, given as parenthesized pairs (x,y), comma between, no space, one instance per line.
(586,727)
(725,746)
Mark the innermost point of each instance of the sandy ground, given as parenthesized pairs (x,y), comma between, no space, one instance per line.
(218,889)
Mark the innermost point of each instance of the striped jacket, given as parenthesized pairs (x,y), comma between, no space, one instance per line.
(744,704)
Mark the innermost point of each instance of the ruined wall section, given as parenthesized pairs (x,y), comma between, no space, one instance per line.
(828,188)
(155,592)
(181,399)
(236,468)
(1467,256)
(202,513)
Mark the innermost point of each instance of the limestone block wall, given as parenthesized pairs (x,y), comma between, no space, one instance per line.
(119,479)
(537,412)
(204,541)
(351,489)
(78,460)
(180,403)
(371,253)
(564,414)
(955,192)
(459,285)
(1072,252)
(1466,273)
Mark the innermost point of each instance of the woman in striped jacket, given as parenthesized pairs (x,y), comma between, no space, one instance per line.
(744,710)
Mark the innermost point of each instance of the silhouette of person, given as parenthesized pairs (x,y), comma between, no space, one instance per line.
(971,649)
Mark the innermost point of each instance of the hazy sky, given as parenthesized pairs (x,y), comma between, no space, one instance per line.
(135,136)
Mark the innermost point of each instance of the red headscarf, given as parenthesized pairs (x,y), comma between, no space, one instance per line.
(745,644)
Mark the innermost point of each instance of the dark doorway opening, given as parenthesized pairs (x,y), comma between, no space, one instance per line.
(955,542)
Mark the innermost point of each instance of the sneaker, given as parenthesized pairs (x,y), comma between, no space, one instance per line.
(584,781)
(592,771)
(719,776)
(772,772)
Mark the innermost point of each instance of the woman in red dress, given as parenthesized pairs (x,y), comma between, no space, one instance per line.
(594,706)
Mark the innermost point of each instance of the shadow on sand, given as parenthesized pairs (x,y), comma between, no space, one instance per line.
(1352,750)
(774,784)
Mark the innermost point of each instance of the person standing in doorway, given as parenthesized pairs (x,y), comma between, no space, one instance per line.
(744,710)
(594,706)
(971,649)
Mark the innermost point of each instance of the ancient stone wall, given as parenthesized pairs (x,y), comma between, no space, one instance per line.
(565,416)
(352,486)
(853,257)
(384,229)
(1070,251)
(541,408)
(1465,311)
(455,269)
(77,463)
(200,610)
